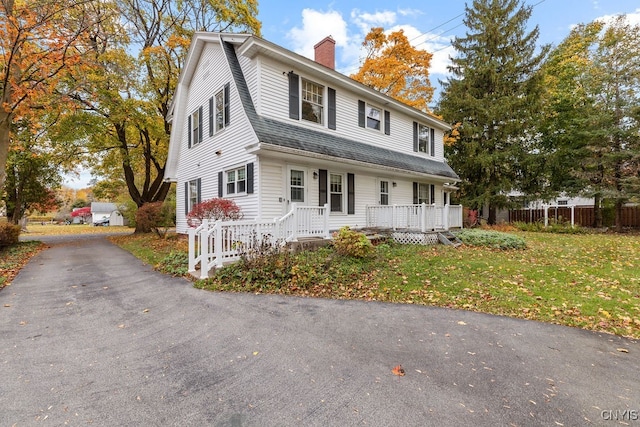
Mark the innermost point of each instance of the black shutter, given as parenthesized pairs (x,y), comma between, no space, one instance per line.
(415,193)
(322,186)
(432,139)
(332,108)
(351,194)
(211,116)
(200,124)
(294,96)
(250,178)
(220,184)
(415,136)
(432,195)
(189,132)
(199,184)
(186,198)
(361,116)
(227,116)
(387,122)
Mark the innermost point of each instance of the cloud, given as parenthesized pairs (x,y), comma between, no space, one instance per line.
(316,25)
(633,18)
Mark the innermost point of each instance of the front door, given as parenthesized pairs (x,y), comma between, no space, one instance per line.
(296,186)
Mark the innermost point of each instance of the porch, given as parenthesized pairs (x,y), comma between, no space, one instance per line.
(215,243)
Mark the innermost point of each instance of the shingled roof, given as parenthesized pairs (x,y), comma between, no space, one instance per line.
(289,136)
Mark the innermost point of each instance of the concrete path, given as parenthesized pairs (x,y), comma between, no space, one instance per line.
(91,336)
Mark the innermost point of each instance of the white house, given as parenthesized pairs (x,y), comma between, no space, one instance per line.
(268,128)
(100,211)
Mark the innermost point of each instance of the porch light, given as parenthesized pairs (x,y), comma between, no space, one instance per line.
(315,175)
(395,184)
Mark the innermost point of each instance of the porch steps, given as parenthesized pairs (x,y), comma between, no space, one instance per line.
(448,238)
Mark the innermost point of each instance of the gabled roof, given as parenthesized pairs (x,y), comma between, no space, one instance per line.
(103,207)
(275,134)
(288,135)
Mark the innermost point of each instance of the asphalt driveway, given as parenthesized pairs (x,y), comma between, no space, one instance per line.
(90,335)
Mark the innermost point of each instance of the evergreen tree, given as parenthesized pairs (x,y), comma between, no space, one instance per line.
(494,96)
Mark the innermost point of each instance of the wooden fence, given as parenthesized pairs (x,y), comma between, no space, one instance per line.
(583,216)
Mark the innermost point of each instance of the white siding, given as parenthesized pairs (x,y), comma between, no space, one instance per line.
(201,161)
(274,102)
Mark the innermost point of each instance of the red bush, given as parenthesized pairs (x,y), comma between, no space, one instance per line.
(9,234)
(214,209)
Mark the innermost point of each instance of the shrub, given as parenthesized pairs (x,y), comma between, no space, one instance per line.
(156,217)
(176,263)
(216,209)
(554,227)
(491,239)
(9,234)
(348,242)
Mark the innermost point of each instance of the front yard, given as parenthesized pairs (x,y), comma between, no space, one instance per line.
(591,281)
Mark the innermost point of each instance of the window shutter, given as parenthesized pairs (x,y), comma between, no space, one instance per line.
(220,184)
(332,108)
(186,198)
(351,194)
(387,122)
(432,195)
(361,116)
(189,132)
(200,124)
(294,96)
(432,139)
(227,101)
(211,116)
(199,184)
(250,178)
(415,193)
(415,137)
(322,186)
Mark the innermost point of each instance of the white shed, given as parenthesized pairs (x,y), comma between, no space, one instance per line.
(100,211)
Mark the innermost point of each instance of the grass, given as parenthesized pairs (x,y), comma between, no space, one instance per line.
(61,229)
(591,281)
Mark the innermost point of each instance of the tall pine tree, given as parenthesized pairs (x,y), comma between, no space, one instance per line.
(494,94)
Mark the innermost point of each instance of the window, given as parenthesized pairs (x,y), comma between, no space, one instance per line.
(219,110)
(336,192)
(237,181)
(384,192)
(373,117)
(296,184)
(312,102)
(563,202)
(423,193)
(423,139)
(195,127)
(192,194)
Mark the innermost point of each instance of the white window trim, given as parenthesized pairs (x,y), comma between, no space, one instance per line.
(323,105)
(343,198)
(226,181)
(195,127)
(428,142)
(215,111)
(193,198)
(379,190)
(367,107)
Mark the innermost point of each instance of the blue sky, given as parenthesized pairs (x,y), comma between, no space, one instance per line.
(429,24)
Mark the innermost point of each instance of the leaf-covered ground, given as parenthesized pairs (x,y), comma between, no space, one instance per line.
(13,258)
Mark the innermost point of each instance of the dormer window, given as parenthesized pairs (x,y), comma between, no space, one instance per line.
(373,117)
(312,102)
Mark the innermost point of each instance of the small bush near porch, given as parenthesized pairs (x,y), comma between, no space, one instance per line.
(590,281)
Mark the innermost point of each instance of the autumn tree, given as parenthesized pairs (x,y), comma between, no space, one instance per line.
(39,40)
(395,68)
(592,118)
(32,177)
(138,54)
(494,94)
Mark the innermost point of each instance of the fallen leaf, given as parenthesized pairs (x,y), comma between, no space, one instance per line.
(255,353)
(622,350)
(461,323)
(7,305)
(146,310)
(398,371)
(121,326)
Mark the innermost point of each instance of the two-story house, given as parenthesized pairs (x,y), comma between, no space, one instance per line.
(266,127)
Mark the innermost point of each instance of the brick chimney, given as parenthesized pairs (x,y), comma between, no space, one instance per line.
(325,52)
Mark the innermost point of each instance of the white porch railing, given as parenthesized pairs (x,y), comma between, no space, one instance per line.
(214,243)
(421,217)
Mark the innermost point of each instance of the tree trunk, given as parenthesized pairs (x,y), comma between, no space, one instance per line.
(5,139)
(597,212)
(619,206)
(491,220)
